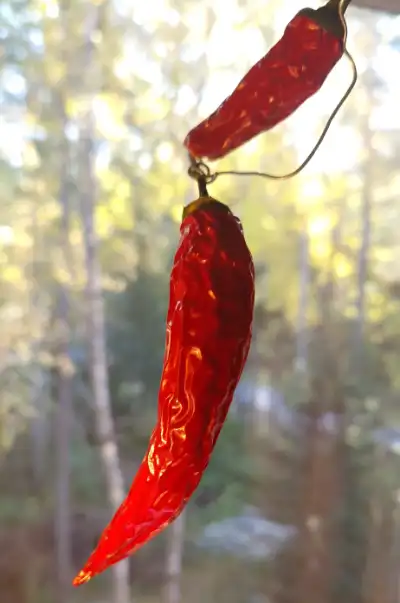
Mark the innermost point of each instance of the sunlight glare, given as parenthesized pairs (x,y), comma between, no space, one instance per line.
(312,189)
(49,8)
(145,161)
(165,152)
(186,100)
(105,118)
(146,12)
(319,225)
(6,234)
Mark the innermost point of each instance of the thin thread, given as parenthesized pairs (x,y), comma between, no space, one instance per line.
(200,170)
(341,10)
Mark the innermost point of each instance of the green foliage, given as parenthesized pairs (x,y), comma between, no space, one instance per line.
(136,336)
(226,485)
(87,481)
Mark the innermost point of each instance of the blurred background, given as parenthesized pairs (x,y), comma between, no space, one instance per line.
(301,501)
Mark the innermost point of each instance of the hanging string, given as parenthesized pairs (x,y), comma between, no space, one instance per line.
(200,171)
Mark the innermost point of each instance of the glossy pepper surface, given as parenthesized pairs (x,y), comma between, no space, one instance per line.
(208,337)
(292,71)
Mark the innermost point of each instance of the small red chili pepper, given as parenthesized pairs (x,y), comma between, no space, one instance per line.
(292,71)
(208,337)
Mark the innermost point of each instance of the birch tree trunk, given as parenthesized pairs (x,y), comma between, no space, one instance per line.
(173,565)
(98,355)
(304,284)
(363,255)
(63,376)
(95,307)
(323,470)
(377,577)
(40,428)
(64,381)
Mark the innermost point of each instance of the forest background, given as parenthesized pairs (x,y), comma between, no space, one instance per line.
(301,502)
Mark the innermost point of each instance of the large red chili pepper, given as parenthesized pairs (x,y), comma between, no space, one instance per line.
(208,337)
(292,71)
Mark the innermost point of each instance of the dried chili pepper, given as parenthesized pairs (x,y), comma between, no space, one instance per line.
(208,337)
(292,71)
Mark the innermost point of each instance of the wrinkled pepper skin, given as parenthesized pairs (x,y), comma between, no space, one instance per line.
(209,324)
(292,71)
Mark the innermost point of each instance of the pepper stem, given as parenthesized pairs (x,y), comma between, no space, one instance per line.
(202,185)
(200,172)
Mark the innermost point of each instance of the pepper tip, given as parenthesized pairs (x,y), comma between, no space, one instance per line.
(82,578)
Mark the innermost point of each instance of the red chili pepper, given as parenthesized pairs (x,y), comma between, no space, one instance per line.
(292,71)
(208,337)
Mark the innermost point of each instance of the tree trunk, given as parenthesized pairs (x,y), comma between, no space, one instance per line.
(40,425)
(363,254)
(322,489)
(95,307)
(377,577)
(323,468)
(176,537)
(98,355)
(304,283)
(64,378)
(395,562)
(62,498)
